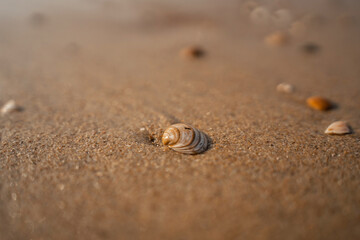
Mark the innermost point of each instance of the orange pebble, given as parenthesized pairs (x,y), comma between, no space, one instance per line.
(277,39)
(319,103)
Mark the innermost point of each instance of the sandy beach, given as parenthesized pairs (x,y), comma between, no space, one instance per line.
(98,82)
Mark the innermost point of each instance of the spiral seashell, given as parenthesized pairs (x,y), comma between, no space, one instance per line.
(185,139)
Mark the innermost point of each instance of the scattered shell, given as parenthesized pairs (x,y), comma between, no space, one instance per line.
(192,52)
(9,107)
(338,128)
(310,48)
(277,39)
(319,103)
(185,139)
(285,88)
(298,29)
(282,17)
(260,16)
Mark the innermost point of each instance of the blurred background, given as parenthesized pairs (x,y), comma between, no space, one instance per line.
(98,81)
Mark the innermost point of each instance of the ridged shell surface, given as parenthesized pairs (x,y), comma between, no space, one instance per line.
(185,139)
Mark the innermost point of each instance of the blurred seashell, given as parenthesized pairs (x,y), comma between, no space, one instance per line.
(185,139)
(260,16)
(338,128)
(285,88)
(319,103)
(277,39)
(9,107)
(192,52)
(298,29)
(282,17)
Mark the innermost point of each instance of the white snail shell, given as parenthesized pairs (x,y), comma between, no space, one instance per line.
(185,139)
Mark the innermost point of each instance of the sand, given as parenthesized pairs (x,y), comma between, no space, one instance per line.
(99,82)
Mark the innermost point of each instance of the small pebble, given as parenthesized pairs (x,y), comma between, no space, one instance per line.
(192,52)
(260,16)
(9,107)
(277,39)
(285,88)
(14,196)
(61,186)
(338,128)
(319,103)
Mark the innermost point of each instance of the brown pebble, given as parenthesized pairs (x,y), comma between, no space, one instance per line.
(319,103)
(192,52)
(338,128)
(277,39)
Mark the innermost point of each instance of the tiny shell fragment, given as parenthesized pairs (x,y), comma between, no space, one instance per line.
(277,39)
(192,52)
(319,103)
(9,107)
(338,128)
(285,88)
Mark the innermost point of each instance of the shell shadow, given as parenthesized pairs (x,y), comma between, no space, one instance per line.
(310,48)
(20,109)
(210,144)
(171,118)
(333,106)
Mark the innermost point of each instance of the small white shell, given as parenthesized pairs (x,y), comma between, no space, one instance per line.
(338,128)
(285,88)
(8,107)
(185,139)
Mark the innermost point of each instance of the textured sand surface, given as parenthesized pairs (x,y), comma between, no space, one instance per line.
(75,164)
